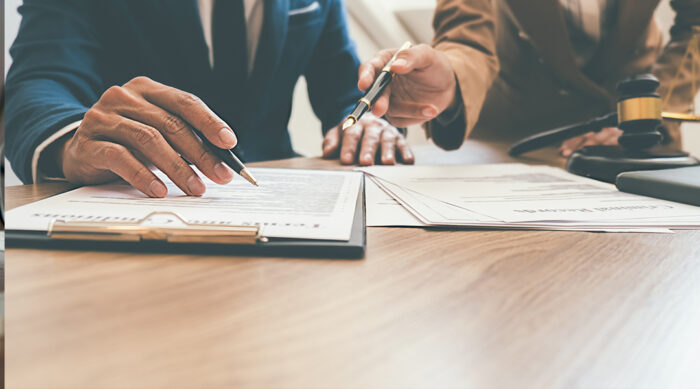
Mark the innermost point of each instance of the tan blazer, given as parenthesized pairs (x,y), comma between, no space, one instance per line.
(539,85)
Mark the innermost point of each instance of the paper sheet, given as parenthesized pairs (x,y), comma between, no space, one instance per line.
(384,211)
(514,193)
(436,213)
(523,196)
(305,204)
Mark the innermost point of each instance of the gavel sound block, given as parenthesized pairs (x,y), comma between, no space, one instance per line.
(639,116)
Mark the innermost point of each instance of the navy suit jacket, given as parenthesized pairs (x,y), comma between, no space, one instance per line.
(68,52)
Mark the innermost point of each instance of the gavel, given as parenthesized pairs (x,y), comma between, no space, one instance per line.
(639,116)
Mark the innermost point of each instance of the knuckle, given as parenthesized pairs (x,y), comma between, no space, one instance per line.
(92,116)
(114,94)
(350,147)
(186,99)
(178,166)
(113,152)
(146,136)
(140,80)
(213,121)
(141,176)
(203,157)
(174,125)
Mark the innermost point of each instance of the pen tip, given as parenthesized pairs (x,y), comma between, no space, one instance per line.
(348,123)
(248,177)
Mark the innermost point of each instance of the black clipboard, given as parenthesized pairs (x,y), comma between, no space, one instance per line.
(247,243)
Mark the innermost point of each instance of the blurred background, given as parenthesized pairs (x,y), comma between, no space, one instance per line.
(374,25)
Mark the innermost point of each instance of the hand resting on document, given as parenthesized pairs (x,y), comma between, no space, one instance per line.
(371,139)
(145,123)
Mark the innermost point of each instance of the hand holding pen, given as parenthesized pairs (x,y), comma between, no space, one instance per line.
(424,84)
(146,123)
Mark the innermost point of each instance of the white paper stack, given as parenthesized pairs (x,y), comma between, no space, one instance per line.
(514,196)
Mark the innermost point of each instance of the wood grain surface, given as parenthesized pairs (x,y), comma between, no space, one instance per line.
(425,308)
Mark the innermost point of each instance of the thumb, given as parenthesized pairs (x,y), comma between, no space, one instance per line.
(415,58)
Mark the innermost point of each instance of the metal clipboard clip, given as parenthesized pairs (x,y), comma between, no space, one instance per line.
(138,231)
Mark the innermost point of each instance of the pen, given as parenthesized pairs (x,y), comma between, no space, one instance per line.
(231,160)
(375,91)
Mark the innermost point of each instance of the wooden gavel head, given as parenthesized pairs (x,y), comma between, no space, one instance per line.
(639,112)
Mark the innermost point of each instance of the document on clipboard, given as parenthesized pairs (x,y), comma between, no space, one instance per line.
(291,206)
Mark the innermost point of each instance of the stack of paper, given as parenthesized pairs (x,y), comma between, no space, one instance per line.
(513,196)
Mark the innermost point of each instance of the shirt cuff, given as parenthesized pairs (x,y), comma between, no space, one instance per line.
(37,175)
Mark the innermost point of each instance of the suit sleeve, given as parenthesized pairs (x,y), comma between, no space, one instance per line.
(54,77)
(465,32)
(332,72)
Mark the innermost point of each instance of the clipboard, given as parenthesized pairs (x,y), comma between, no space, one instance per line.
(190,238)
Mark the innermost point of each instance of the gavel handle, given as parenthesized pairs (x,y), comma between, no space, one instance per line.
(561,134)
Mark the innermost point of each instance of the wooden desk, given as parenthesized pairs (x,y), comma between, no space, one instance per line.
(424,309)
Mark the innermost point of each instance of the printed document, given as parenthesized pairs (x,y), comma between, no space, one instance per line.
(304,204)
(517,195)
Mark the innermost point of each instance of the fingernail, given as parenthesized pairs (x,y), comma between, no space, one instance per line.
(227,137)
(348,156)
(223,172)
(400,62)
(158,189)
(195,186)
(368,156)
(429,112)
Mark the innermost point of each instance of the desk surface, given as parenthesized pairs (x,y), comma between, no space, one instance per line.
(423,309)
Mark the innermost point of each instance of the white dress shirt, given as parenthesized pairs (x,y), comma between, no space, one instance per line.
(254,16)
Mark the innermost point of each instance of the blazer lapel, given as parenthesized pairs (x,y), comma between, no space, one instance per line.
(633,17)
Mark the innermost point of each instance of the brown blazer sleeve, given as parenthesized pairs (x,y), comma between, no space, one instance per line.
(464,31)
(666,66)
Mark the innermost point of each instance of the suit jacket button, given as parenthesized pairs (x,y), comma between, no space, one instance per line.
(564,92)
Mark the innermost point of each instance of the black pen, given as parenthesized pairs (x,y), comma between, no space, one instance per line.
(231,160)
(375,91)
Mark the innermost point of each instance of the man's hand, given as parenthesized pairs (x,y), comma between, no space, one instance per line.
(607,136)
(143,123)
(372,135)
(425,86)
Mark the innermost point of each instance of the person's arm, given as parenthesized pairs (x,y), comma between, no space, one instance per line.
(121,129)
(465,32)
(54,78)
(332,84)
